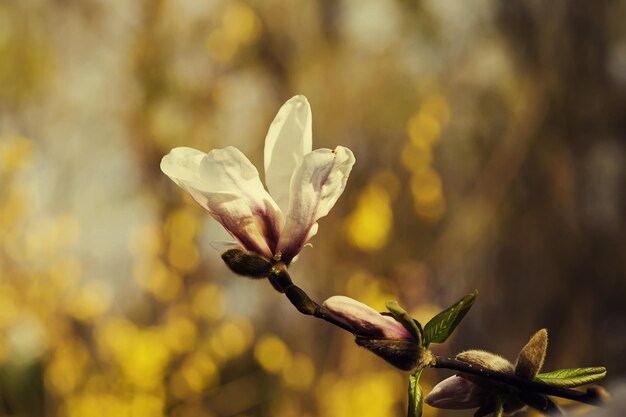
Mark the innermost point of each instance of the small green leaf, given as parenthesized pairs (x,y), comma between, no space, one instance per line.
(570,378)
(405,319)
(440,327)
(416,395)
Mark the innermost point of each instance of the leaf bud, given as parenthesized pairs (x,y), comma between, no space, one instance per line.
(531,357)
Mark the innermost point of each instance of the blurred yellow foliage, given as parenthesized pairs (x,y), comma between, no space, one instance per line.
(208,302)
(299,373)
(90,301)
(372,394)
(240,27)
(372,290)
(272,353)
(231,338)
(110,303)
(67,367)
(99,404)
(16,154)
(369,225)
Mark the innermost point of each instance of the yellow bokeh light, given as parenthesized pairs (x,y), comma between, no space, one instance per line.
(240,23)
(423,129)
(167,121)
(231,339)
(191,408)
(437,105)
(141,354)
(369,225)
(45,240)
(416,158)
(208,302)
(220,46)
(13,207)
(182,225)
(91,301)
(65,371)
(180,334)
(146,241)
(154,276)
(183,256)
(65,273)
(272,353)
(99,404)
(431,212)
(146,405)
(299,373)
(10,308)
(389,181)
(424,312)
(369,289)
(368,395)
(16,154)
(198,373)
(426,187)
(144,362)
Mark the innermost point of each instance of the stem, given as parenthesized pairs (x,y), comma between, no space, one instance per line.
(304,304)
(588,397)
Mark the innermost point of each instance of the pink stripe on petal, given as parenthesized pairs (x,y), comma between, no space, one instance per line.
(227,185)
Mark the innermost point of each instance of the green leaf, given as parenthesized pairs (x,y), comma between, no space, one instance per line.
(570,378)
(405,319)
(416,395)
(440,327)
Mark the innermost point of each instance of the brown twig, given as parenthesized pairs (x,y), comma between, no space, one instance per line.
(590,396)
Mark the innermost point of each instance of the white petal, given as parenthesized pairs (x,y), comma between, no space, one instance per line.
(315,187)
(289,138)
(226,184)
(182,164)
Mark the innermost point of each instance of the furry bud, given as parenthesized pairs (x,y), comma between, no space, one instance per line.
(402,354)
(531,357)
(247,263)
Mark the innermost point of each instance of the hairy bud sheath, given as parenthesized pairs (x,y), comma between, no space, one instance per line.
(246,263)
(531,357)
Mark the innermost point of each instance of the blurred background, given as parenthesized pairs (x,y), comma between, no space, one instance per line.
(489,138)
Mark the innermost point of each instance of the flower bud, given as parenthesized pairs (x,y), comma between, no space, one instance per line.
(382,335)
(246,263)
(365,321)
(456,393)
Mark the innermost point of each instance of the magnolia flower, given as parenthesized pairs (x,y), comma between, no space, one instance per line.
(303,184)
